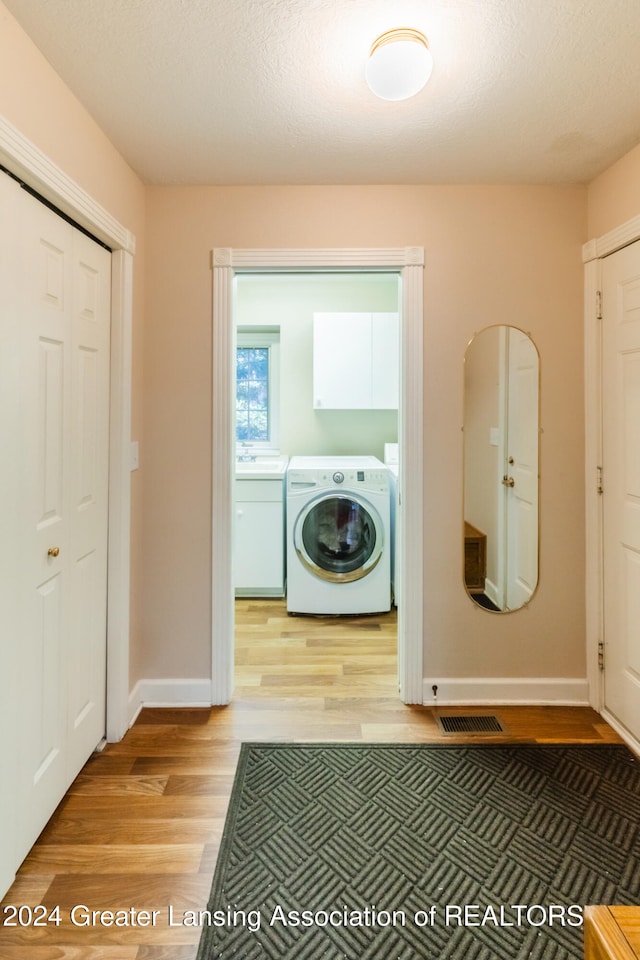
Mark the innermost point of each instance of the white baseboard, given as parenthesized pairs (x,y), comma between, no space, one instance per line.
(168,693)
(452,691)
(491,591)
(491,691)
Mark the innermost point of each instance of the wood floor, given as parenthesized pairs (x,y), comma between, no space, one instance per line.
(140,827)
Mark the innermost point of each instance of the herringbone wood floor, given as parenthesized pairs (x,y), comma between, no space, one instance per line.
(140,827)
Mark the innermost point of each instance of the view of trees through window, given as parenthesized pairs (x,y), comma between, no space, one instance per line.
(252,394)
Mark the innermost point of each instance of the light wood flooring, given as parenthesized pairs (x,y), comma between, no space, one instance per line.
(140,827)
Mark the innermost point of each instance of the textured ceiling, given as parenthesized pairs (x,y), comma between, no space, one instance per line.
(273,91)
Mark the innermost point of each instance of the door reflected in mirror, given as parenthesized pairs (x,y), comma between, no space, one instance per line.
(501,468)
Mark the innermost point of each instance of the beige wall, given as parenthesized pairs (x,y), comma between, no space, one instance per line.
(41,107)
(614,196)
(493,255)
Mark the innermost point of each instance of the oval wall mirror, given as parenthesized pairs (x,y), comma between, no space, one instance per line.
(501,468)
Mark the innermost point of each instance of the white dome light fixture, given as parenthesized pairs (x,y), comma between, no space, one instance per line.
(399,64)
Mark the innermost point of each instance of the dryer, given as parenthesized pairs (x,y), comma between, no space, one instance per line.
(338,536)
(391,462)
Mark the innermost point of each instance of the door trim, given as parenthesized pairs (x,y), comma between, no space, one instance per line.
(408,262)
(26,161)
(592,254)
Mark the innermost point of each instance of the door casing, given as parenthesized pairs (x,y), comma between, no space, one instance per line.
(408,262)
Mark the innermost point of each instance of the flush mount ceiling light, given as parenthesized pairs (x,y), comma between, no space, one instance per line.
(399,64)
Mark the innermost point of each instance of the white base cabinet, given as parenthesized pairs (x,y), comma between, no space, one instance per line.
(259,555)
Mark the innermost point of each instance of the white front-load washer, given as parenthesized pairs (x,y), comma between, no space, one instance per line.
(338,536)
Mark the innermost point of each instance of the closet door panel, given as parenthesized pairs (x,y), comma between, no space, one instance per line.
(88,483)
(45,400)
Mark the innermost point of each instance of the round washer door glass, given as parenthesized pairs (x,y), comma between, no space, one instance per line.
(339,538)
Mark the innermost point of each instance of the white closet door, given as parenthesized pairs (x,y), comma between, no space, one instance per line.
(62,302)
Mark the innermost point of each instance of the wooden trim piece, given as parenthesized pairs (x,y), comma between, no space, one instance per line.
(409,262)
(603,937)
(628,919)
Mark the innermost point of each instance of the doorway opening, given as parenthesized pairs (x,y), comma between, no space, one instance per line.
(408,264)
(284,408)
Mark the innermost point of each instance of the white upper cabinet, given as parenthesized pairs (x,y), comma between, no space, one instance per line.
(355,361)
(385,361)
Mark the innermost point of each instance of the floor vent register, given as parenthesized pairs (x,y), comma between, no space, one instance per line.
(470,724)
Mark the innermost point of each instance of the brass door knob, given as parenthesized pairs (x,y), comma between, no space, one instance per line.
(53,551)
(508,481)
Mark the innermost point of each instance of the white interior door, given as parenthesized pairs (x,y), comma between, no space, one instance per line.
(58,338)
(621,481)
(521,469)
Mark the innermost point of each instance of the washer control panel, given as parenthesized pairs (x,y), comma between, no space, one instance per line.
(345,474)
(368,479)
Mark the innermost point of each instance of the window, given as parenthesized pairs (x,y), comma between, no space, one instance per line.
(257,389)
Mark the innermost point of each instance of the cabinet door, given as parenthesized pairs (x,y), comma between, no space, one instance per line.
(342,361)
(355,361)
(259,548)
(385,361)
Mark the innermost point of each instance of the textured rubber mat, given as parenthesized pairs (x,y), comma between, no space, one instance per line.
(422,852)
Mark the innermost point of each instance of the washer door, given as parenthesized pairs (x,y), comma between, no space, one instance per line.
(339,538)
